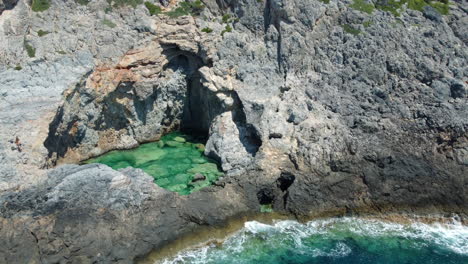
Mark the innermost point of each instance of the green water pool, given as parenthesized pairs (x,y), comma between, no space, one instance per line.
(176,162)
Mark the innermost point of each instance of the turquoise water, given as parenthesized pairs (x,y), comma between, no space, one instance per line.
(174,162)
(340,240)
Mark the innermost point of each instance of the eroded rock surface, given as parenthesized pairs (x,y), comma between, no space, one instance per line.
(302,112)
(118,217)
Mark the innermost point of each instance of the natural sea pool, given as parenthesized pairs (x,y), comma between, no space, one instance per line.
(176,162)
(346,240)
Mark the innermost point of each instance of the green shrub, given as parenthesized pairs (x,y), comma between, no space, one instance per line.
(228,28)
(416,4)
(42,33)
(207,30)
(29,49)
(325,1)
(179,11)
(395,6)
(226,18)
(349,29)
(153,9)
(187,8)
(18,68)
(367,24)
(40,5)
(122,3)
(442,7)
(195,7)
(392,6)
(362,6)
(108,23)
(83,2)
(61,52)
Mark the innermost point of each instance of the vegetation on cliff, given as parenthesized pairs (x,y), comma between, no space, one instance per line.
(40,5)
(397,6)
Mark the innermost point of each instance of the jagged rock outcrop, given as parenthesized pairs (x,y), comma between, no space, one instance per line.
(314,108)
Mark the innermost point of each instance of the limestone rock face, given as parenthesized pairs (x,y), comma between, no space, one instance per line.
(311,107)
(231,144)
(163,86)
(152,90)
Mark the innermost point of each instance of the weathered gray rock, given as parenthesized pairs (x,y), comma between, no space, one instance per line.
(301,113)
(93,214)
(230,144)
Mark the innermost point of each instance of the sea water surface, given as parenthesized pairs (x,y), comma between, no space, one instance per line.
(174,162)
(336,240)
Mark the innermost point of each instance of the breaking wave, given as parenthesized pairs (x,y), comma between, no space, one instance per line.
(336,240)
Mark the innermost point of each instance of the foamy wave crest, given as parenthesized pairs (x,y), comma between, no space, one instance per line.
(451,236)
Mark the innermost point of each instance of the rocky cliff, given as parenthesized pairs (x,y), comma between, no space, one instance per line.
(333,107)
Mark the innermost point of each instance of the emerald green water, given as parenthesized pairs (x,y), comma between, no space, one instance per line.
(336,240)
(173,161)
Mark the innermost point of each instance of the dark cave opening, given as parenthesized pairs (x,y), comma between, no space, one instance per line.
(201,105)
(285,181)
(265,196)
(180,61)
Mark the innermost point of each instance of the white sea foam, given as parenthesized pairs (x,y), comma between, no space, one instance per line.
(255,227)
(340,250)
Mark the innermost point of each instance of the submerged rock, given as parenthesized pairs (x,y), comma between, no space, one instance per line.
(198,177)
(179,139)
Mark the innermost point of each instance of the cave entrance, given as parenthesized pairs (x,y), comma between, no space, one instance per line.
(177,161)
(200,104)
(200,108)
(143,111)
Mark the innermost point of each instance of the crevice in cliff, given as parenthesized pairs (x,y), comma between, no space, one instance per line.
(271,17)
(38,248)
(267,16)
(285,181)
(249,136)
(279,48)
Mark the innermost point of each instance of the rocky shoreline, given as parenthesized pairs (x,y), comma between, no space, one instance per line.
(122,216)
(312,108)
(218,235)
